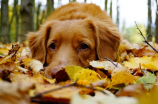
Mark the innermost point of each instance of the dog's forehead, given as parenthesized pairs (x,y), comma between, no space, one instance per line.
(67,24)
(70,28)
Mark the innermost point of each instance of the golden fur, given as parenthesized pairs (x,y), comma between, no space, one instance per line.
(73,35)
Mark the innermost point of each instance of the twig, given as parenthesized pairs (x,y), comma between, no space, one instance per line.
(74,84)
(145,40)
(88,87)
(111,61)
(40,95)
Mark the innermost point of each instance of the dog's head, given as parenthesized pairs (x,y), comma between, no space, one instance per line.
(75,42)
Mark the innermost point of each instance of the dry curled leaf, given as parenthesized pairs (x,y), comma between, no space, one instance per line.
(34,65)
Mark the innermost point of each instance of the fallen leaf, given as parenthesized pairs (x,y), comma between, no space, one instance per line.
(3,51)
(61,95)
(135,90)
(62,76)
(148,80)
(34,65)
(145,51)
(136,62)
(122,75)
(144,62)
(25,52)
(107,65)
(86,74)
(6,59)
(71,70)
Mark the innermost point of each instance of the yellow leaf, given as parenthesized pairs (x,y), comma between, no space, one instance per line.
(6,59)
(49,80)
(83,82)
(4,51)
(122,75)
(26,62)
(71,70)
(121,48)
(136,62)
(153,64)
(86,74)
(145,62)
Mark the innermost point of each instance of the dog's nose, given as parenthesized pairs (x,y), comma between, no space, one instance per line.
(54,71)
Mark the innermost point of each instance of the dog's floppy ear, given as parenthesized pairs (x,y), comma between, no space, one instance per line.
(37,42)
(108,40)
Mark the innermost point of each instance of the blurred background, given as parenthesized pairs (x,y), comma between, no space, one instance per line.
(18,17)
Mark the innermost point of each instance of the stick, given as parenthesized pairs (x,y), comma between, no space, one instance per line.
(74,84)
(145,40)
(111,62)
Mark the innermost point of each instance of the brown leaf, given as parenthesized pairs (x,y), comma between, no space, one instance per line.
(87,91)
(8,66)
(5,70)
(37,78)
(60,96)
(14,49)
(145,51)
(62,76)
(100,72)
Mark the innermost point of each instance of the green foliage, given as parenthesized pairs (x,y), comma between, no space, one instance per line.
(132,34)
(147,80)
(150,78)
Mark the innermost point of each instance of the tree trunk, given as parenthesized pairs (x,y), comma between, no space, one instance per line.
(43,16)
(156,23)
(106,4)
(0,27)
(14,14)
(111,9)
(149,20)
(37,19)
(50,7)
(16,21)
(4,22)
(118,14)
(27,17)
(73,0)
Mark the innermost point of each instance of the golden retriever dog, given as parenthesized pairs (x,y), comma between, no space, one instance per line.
(74,34)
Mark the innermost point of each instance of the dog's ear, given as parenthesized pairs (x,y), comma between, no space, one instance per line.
(108,40)
(37,42)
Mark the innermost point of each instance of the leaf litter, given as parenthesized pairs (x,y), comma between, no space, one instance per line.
(133,81)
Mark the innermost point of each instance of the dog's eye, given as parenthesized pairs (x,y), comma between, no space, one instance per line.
(84,46)
(52,46)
